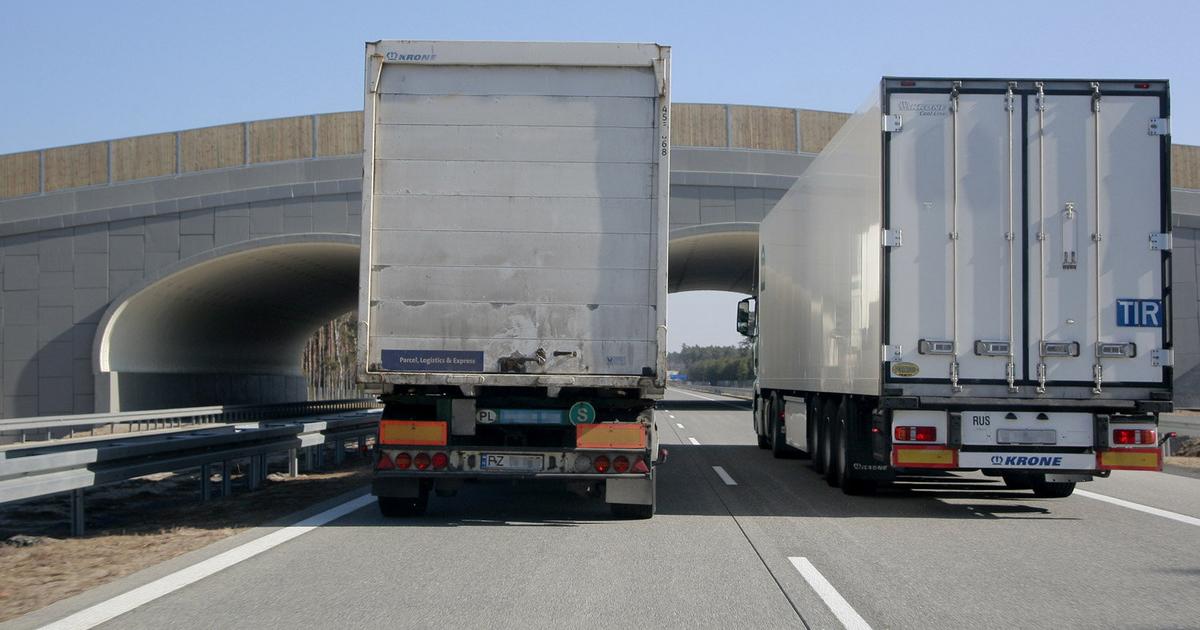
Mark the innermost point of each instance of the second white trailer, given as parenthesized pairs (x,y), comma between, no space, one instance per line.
(973,275)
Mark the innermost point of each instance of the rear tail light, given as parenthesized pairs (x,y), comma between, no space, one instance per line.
(600,464)
(583,463)
(385,462)
(620,464)
(421,461)
(440,461)
(1131,437)
(403,461)
(916,434)
(640,466)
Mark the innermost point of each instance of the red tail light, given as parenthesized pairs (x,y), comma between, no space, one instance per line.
(620,464)
(640,466)
(421,461)
(1135,436)
(403,461)
(916,434)
(600,464)
(385,462)
(1142,86)
(440,461)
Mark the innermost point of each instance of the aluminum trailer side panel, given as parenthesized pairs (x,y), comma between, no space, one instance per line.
(514,198)
(819,293)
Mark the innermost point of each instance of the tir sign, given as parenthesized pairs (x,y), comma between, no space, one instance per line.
(1140,313)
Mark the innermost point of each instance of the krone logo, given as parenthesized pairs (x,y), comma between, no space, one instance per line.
(395,56)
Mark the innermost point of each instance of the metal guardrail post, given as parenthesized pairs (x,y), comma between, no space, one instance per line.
(226,478)
(77,514)
(252,476)
(205,483)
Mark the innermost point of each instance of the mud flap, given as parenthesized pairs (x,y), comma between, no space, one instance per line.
(631,491)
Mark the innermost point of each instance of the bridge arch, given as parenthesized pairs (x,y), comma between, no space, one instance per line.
(225,326)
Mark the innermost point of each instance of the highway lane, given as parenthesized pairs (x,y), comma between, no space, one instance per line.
(943,552)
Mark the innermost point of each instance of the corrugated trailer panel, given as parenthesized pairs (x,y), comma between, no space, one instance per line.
(515,200)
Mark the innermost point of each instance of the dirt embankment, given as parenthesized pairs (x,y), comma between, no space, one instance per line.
(140,523)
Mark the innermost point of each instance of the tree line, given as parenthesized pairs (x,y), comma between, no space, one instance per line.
(713,364)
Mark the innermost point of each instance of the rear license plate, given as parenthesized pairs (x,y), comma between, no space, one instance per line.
(509,461)
(1026,436)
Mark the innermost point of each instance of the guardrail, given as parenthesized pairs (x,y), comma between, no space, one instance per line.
(734,392)
(74,465)
(44,427)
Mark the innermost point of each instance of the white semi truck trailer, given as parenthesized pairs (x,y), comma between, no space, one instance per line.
(973,275)
(512,303)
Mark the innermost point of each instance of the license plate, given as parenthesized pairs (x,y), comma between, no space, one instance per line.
(509,461)
(1026,436)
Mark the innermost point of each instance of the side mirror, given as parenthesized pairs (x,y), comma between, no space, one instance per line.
(746,318)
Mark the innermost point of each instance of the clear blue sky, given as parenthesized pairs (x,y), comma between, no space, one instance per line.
(81,71)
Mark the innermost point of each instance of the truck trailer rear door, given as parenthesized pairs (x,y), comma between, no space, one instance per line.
(954,195)
(1097,236)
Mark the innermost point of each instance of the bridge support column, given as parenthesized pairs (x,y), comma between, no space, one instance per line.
(293,463)
(339,451)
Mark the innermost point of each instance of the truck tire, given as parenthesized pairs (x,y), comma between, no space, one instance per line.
(1052,489)
(820,455)
(823,462)
(812,416)
(850,484)
(631,511)
(1017,481)
(393,507)
(829,443)
(764,441)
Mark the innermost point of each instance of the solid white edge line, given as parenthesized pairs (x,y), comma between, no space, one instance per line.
(724,476)
(687,393)
(679,425)
(1175,516)
(129,600)
(694,441)
(841,609)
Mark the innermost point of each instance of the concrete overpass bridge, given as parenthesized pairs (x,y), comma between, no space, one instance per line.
(189,268)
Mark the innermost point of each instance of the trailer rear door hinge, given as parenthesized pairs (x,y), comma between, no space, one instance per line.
(893,238)
(1160,126)
(1160,241)
(1162,358)
(892,353)
(893,122)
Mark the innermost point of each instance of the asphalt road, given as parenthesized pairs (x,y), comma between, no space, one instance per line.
(951,551)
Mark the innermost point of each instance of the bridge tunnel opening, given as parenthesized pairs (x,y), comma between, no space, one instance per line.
(227,328)
(230,326)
